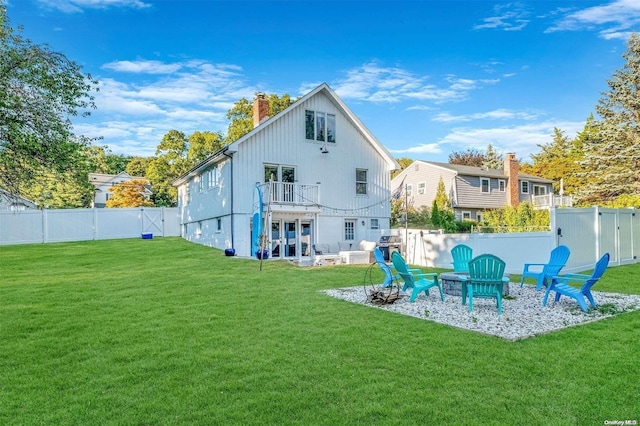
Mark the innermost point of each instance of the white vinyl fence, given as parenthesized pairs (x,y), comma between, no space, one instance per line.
(46,226)
(589,233)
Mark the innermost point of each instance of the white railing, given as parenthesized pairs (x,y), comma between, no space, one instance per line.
(550,200)
(289,193)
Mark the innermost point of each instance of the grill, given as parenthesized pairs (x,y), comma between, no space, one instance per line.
(388,244)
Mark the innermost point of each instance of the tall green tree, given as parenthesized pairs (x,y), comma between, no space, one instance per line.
(492,159)
(169,163)
(241,115)
(104,161)
(202,145)
(138,166)
(558,159)
(40,91)
(612,160)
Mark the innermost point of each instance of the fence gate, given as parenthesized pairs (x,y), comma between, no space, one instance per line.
(153,221)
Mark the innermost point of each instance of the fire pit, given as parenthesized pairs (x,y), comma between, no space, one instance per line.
(452,284)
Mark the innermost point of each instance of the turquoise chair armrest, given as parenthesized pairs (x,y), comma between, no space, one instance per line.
(506,280)
(571,277)
(432,275)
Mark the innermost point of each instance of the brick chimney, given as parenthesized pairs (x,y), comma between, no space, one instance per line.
(511,170)
(260,109)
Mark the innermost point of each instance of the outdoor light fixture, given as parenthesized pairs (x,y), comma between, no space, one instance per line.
(324,149)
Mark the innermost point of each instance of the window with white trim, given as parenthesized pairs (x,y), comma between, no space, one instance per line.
(409,189)
(524,187)
(539,190)
(502,185)
(320,126)
(375,224)
(466,215)
(484,185)
(422,187)
(361,182)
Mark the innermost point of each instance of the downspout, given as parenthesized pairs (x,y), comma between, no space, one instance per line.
(232,221)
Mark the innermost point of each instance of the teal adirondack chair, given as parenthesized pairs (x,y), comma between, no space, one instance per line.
(390,273)
(461,254)
(561,284)
(417,281)
(544,271)
(486,280)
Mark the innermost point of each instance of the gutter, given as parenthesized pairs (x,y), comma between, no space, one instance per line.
(230,157)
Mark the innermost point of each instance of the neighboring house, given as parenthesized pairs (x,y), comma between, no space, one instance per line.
(14,203)
(471,190)
(321,174)
(102,182)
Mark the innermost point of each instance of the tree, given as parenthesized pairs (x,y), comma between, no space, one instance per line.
(612,159)
(129,194)
(104,161)
(138,166)
(441,199)
(241,115)
(169,163)
(404,163)
(558,160)
(470,157)
(202,145)
(493,160)
(40,90)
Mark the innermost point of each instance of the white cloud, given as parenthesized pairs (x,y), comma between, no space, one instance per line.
(142,66)
(616,20)
(508,17)
(498,114)
(521,139)
(76,6)
(374,83)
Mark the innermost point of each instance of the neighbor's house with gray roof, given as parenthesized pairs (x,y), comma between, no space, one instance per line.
(14,203)
(103,182)
(471,190)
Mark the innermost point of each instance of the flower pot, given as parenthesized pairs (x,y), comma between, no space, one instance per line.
(229,252)
(264,254)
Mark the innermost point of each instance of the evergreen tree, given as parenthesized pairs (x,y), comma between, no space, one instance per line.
(441,199)
(612,159)
(493,160)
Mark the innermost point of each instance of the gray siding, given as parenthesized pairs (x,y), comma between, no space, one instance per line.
(470,195)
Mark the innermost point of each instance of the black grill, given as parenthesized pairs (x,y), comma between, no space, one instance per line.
(388,244)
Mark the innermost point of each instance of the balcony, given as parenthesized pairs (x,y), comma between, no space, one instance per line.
(288,196)
(550,200)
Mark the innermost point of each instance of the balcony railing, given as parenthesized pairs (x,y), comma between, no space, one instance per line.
(550,200)
(293,194)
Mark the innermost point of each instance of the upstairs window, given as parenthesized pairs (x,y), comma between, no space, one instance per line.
(409,189)
(361,182)
(320,126)
(484,185)
(421,187)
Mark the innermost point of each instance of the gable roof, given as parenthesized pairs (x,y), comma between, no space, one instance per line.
(9,198)
(335,100)
(481,171)
(101,179)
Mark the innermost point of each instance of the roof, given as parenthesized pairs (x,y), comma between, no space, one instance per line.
(341,106)
(100,179)
(483,172)
(15,199)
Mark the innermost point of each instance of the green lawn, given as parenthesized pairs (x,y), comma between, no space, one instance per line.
(166,332)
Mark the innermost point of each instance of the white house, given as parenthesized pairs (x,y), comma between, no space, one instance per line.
(311,174)
(14,203)
(103,182)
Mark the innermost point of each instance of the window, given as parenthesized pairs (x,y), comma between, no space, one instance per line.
(421,187)
(375,224)
(501,185)
(213,177)
(349,230)
(409,189)
(466,215)
(484,185)
(320,126)
(479,217)
(524,187)
(202,181)
(361,182)
(219,225)
(539,190)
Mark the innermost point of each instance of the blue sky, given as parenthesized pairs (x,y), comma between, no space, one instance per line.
(427,77)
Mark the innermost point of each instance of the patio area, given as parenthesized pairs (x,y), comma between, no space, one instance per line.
(523,317)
